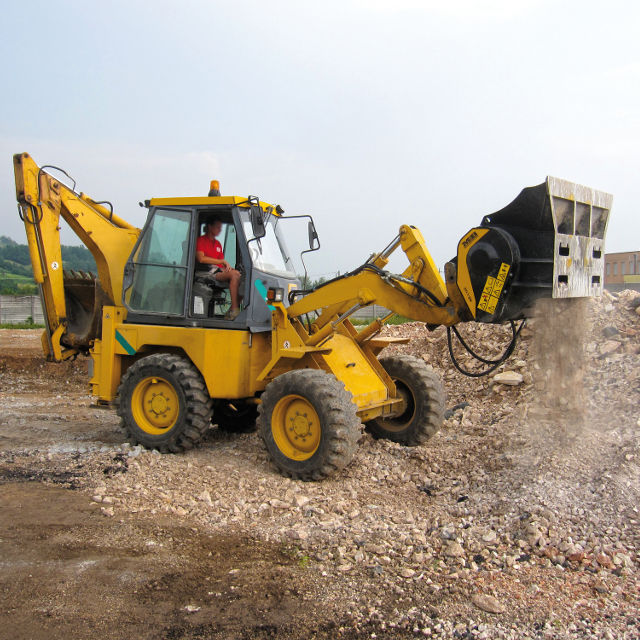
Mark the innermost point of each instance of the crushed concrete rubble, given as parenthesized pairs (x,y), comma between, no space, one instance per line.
(511,378)
(519,520)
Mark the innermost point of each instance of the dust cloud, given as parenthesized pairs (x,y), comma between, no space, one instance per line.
(559,407)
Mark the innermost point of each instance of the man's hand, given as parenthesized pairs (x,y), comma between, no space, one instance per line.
(225,266)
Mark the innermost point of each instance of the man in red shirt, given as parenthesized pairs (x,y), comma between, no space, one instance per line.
(209,252)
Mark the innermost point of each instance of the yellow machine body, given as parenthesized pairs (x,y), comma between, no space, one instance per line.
(238,364)
(234,364)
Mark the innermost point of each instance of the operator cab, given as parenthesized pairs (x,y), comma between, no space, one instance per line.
(165,284)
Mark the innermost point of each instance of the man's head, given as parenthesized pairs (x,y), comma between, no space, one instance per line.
(213,226)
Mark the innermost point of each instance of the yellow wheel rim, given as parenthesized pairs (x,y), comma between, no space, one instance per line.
(155,405)
(295,426)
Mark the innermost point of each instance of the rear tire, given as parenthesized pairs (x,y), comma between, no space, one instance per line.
(235,416)
(309,425)
(164,403)
(420,387)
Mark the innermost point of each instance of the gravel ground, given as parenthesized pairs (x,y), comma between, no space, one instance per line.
(519,520)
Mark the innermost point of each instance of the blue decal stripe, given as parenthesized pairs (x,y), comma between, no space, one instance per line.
(262,290)
(124,344)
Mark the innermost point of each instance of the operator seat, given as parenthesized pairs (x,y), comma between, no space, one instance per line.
(211,291)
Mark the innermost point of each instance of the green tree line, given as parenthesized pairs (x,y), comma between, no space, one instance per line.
(16,276)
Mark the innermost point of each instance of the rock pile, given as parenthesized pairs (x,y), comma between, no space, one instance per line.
(519,520)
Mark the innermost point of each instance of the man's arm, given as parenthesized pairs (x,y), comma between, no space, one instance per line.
(202,259)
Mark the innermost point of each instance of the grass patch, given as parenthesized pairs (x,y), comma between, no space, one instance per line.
(21,325)
(398,319)
(303,561)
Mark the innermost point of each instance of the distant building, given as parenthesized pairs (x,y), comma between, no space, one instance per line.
(622,270)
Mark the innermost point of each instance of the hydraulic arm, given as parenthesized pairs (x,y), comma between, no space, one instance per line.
(72,306)
(547,243)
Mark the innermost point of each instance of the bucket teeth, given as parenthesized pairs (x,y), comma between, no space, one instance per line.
(580,217)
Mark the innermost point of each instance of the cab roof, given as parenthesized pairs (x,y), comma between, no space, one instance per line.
(240,201)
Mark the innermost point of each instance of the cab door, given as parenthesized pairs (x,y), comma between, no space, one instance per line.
(157,272)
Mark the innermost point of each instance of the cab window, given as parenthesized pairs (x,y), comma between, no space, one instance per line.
(160,264)
(227,238)
(229,244)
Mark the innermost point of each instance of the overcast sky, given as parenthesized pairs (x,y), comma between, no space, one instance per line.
(365,113)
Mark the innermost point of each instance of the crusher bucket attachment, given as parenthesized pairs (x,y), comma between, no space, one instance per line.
(548,243)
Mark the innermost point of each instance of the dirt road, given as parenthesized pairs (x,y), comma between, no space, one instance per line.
(495,530)
(70,571)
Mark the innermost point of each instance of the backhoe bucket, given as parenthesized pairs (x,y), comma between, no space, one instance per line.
(84,299)
(548,243)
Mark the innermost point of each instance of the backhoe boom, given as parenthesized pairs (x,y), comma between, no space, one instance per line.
(72,309)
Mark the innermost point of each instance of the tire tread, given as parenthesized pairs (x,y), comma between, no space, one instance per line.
(430,401)
(342,429)
(198,403)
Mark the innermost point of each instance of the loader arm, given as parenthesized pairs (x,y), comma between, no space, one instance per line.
(547,243)
(418,293)
(72,310)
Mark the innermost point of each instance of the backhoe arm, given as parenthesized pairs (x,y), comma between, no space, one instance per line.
(72,310)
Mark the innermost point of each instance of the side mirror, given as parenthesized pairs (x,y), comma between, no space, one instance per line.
(314,243)
(257,223)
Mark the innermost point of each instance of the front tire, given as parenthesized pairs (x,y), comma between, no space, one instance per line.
(424,400)
(309,425)
(164,403)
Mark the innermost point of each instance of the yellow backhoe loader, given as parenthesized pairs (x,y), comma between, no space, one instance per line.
(165,353)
